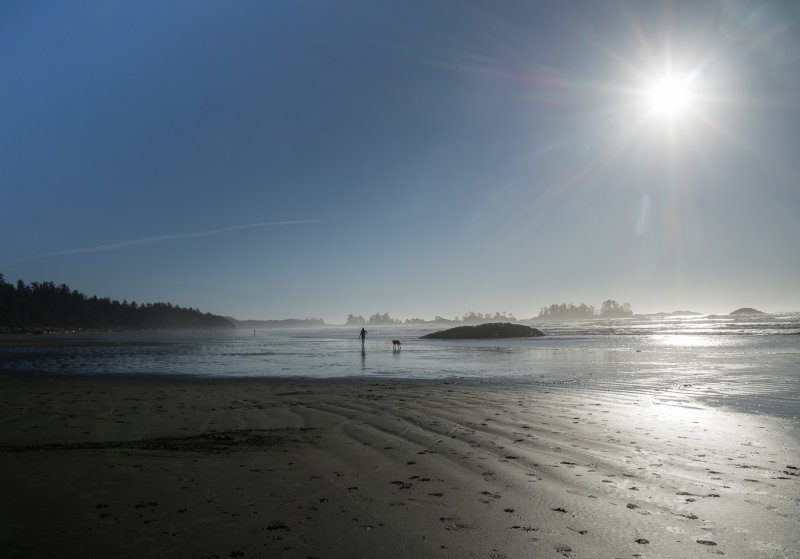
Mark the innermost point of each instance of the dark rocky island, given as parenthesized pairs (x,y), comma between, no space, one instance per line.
(486,331)
(746,310)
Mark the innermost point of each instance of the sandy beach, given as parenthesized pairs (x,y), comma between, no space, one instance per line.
(132,466)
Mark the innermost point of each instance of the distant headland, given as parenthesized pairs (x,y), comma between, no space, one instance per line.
(45,307)
(282,323)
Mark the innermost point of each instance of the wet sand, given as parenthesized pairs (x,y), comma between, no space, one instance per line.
(152,467)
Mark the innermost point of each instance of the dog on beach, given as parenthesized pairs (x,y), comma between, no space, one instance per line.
(396,344)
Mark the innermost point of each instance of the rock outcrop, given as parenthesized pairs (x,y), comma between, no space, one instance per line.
(486,331)
(746,310)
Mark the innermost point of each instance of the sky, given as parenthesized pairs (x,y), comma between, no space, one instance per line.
(302,158)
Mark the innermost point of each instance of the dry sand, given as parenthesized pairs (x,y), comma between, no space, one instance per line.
(167,467)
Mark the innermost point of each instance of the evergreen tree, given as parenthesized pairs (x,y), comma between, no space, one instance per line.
(47,306)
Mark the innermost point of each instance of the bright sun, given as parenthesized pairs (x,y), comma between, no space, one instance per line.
(668,96)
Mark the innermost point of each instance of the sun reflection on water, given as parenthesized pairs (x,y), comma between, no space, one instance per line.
(689,340)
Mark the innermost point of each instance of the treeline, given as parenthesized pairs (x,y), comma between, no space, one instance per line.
(46,306)
(568,311)
(469,318)
(377,318)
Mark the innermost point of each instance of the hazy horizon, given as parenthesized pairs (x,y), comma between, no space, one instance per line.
(430,317)
(305,159)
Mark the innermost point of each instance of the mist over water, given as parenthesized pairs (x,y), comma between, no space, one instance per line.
(751,363)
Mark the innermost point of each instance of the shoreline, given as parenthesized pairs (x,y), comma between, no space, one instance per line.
(680,396)
(135,466)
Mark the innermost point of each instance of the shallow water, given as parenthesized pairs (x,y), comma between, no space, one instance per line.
(751,363)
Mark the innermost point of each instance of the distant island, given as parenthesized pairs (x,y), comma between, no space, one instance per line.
(486,331)
(746,310)
(386,319)
(41,307)
(568,311)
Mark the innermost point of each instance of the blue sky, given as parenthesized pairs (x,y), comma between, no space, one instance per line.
(303,158)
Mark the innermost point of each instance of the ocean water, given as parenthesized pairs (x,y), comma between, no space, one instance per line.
(751,363)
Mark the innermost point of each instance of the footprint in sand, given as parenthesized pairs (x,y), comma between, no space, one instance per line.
(451,524)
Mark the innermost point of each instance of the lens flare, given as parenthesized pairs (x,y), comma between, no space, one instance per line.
(668,96)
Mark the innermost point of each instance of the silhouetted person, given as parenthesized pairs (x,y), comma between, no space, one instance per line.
(363,335)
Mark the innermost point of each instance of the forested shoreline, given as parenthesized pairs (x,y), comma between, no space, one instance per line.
(44,306)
